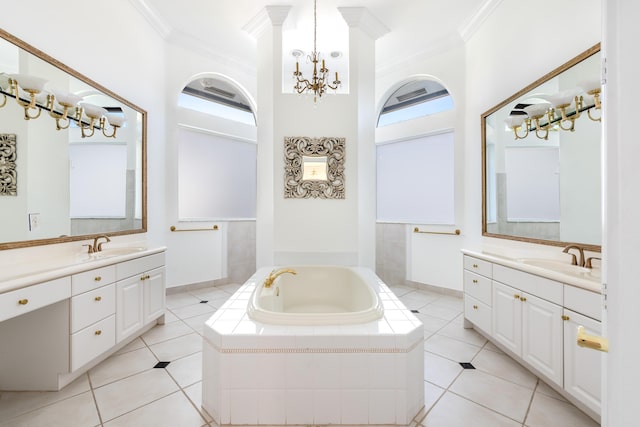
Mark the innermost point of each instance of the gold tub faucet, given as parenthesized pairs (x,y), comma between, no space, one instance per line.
(274,275)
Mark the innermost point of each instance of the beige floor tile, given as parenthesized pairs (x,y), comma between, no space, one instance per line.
(75,411)
(401,290)
(188,370)
(451,348)
(430,323)
(470,336)
(503,366)
(431,395)
(133,392)
(545,389)
(170,411)
(416,300)
(177,348)
(170,317)
(207,294)
(230,288)
(197,322)
(492,347)
(455,303)
(16,403)
(549,412)
(440,371)
(193,310)
(455,411)
(180,300)
(502,396)
(121,366)
(133,345)
(165,332)
(194,393)
(218,302)
(445,313)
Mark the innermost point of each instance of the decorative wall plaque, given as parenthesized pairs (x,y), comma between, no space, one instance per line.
(8,173)
(314,167)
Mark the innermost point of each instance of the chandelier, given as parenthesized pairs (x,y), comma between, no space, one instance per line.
(319,83)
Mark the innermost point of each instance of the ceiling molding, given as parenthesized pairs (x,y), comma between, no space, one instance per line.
(360,17)
(441,45)
(475,21)
(270,15)
(154,18)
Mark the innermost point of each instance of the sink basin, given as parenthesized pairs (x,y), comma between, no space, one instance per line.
(562,267)
(111,252)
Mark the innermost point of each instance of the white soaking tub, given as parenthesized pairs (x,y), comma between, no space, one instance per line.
(290,354)
(325,295)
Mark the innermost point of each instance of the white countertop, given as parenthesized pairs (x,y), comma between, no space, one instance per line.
(39,271)
(586,280)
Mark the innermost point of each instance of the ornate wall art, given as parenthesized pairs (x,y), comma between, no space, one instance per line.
(314,167)
(8,173)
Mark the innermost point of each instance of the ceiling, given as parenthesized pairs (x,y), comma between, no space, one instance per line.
(415,26)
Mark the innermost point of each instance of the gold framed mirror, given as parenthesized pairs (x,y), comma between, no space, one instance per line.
(79,156)
(541,159)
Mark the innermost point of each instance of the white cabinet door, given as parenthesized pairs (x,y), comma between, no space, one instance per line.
(582,366)
(542,336)
(154,294)
(129,307)
(507,317)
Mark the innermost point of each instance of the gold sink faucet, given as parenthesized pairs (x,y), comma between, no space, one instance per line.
(274,275)
(97,247)
(574,260)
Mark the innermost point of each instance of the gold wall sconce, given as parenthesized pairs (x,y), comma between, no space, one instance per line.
(63,107)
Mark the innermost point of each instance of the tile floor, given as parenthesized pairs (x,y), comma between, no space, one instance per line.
(125,389)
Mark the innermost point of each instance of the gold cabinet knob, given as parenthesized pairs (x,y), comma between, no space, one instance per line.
(97,279)
(475,265)
(98,298)
(523,299)
(565,317)
(516,296)
(475,307)
(145,277)
(98,332)
(475,280)
(23,301)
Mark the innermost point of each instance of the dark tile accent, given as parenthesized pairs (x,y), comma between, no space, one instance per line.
(161,364)
(204,302)
(467,365)
(415,311)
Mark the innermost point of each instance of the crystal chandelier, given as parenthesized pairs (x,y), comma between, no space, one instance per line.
(318,84)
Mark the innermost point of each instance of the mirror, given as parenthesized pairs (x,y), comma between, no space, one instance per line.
(75,183)
(541,153)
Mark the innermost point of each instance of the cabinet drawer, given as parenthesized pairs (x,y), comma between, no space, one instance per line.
(88,280)
(33,297)
(583,301)
(542,287)
(89,307)
(477,286)
(477,313)
(139,265)
(92,341)
(478,266)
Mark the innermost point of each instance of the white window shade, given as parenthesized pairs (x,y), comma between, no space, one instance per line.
(415,180)
(216,177)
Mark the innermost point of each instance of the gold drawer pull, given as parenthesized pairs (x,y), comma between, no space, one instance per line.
(145,277)
(98,298)
(565,317)
(475,265)
(475,307)
(475,281)
(516,296)
(97,279)
(98,332)
(23,301)
(523,299)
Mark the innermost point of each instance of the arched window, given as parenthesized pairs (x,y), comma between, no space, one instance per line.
(418,98)
(216,152)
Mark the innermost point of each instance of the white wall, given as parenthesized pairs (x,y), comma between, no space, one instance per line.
(128,60)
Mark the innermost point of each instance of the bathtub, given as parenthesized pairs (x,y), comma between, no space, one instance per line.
(317,295)
(330,345)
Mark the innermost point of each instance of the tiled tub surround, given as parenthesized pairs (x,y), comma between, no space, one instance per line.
(257,373)
(533,313)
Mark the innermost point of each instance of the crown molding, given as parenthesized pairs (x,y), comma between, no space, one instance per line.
(475,21)
(270,15)
(154,18)
(360,17)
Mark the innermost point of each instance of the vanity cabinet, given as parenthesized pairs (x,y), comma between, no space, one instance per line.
(535,319)
(140,294)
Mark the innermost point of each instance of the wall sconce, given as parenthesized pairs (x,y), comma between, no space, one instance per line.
(562,109)
(64,107)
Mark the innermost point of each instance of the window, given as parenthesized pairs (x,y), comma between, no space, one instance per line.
(415,180)
(217,98)
(415,99)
